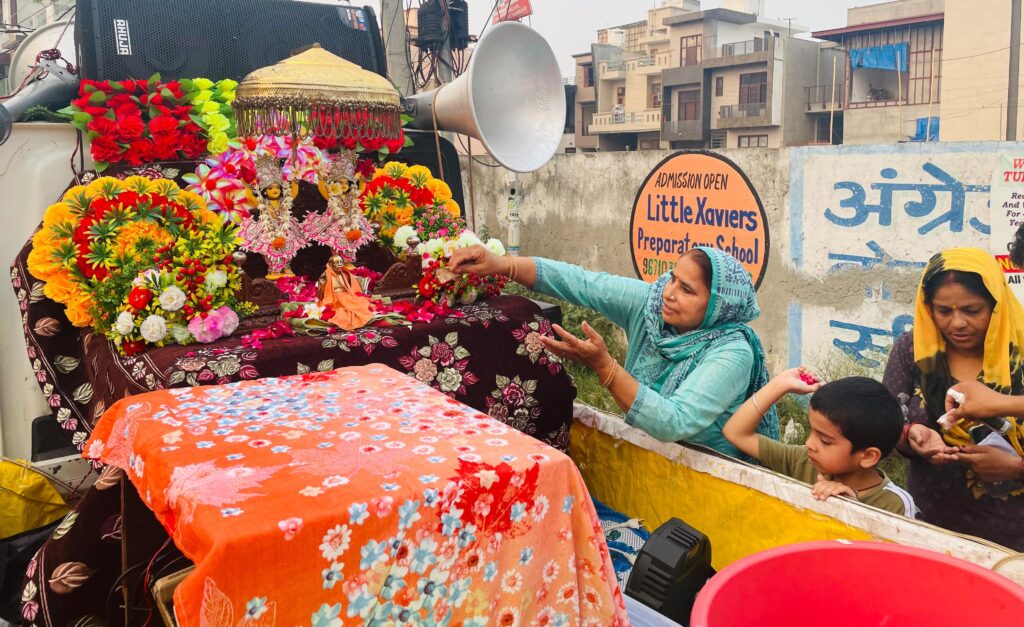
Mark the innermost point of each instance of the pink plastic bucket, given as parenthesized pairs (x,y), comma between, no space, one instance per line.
(857,584)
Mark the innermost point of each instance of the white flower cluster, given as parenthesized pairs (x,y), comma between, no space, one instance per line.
(439,248)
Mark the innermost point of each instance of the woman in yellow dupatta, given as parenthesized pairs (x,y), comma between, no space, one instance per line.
(968,326)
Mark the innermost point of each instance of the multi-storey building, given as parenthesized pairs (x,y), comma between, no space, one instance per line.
(981,81)
(889,81)
(692,78)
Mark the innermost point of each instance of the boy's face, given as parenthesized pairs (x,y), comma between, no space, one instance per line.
(829,451)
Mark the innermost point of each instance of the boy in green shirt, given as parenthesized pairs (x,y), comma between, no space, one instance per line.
(855,422)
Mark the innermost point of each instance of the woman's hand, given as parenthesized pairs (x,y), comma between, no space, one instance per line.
(591,352)
(824,488)
(992,464)
(796,380)
(979,401)
(478,260)
(928,443)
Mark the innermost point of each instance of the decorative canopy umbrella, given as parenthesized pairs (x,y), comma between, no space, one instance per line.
(317,94)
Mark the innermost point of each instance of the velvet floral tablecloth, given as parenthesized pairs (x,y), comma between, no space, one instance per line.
(360,496)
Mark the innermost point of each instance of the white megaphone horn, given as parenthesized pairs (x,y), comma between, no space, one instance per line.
(511,99)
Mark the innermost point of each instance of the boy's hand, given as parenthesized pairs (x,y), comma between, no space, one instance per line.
(825,488)
(797,380)
(927,443)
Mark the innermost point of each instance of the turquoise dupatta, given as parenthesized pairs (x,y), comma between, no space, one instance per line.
(731,306)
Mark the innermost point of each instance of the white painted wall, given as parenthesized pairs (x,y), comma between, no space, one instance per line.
(35,167)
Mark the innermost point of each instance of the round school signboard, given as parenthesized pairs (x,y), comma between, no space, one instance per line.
(697,199)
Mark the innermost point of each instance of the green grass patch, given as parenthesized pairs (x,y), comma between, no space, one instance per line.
(588,388)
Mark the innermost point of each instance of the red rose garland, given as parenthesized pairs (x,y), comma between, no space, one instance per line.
(136,121)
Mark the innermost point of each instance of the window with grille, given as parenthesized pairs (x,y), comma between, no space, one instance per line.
(689,105)
(689,50)
(588,75)
(720,86)
(654,101)
(754,88)
(753,141)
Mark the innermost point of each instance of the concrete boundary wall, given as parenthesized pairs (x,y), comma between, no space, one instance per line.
(851,228)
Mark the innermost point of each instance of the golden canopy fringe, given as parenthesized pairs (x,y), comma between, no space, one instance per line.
(303,119)
(317,94)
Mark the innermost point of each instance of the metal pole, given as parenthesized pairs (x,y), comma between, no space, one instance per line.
(393,28)
(931,82)
(1013,86)
(899,97)
(832,106)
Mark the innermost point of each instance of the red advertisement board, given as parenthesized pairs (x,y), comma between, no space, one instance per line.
(509,10)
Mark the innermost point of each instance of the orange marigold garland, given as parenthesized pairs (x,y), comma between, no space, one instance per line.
(140,261)
(399,195)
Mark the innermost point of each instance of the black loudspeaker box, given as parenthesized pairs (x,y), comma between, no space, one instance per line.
(119,39)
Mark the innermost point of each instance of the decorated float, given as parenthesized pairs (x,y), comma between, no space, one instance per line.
(250,277)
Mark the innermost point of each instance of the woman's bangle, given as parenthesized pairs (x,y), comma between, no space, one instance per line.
(611,376)
(760,411)
(512,270)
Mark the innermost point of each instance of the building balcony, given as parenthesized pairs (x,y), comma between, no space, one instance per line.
(682,130)
(610,70)
(824,98)
(649,64)
(740,52)
(627,122)
(585,93)
(742,47)
(743,115)
(655,36)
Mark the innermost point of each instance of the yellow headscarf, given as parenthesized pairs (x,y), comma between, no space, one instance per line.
(1002,366)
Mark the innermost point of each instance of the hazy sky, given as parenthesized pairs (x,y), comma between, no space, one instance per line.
(570,26)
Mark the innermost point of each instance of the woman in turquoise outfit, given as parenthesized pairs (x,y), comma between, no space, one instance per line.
(692,359)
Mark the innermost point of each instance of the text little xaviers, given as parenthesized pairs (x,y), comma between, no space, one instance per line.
(674,210)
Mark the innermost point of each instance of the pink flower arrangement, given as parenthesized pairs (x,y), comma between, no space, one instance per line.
(217,324)
(223,180)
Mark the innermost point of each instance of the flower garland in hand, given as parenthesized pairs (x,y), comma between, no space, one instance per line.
(440,285)
(140,261)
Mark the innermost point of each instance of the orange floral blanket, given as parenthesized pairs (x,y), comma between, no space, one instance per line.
(360,496)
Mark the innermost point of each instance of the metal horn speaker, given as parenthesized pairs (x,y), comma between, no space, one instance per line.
(511,99)
(43,81)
